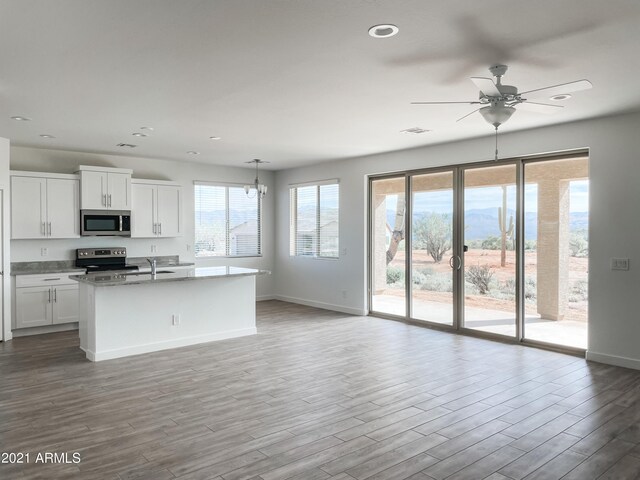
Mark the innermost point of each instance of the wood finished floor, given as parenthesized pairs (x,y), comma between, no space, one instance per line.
(319,395)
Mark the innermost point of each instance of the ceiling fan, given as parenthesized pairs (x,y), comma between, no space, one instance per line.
(499,101)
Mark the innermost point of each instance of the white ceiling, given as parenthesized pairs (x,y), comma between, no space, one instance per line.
(296,81)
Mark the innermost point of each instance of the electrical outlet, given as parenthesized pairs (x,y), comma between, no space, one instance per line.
(619,264)
(343,251)
(188,247)
(175,319)
(153,249)
(44,252)
(344,294)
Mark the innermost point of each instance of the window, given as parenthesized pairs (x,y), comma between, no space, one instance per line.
(227,222)
(314,220)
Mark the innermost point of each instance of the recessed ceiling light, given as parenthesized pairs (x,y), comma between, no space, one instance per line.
(46,135)
(19,118)
(215,138)
(149,129)
(138,134)
(562,96)
(193,152)
(415,130)
(384,30)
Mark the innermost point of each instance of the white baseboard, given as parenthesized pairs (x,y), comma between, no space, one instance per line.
(613,360)
(24,332)
(325,306)
(262,298)
(168,344)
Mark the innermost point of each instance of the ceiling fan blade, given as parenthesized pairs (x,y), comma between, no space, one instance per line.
(486,86)
(558,89)
(467,115)
(539,107)
(442,103)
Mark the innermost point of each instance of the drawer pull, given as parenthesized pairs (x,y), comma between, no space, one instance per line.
(51,279)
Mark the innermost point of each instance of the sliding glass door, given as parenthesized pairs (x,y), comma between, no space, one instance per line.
(489,265)
(432,277)
(499,249)
(556,251)
(388,246)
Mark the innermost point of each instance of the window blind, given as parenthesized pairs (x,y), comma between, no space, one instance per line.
(227,222)
(314,220)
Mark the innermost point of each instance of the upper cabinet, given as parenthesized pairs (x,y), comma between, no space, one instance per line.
(44,205)
(105,188)
(156,209)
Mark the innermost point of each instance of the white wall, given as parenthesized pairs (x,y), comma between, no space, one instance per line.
(58,161)
(5,244)
(614,143)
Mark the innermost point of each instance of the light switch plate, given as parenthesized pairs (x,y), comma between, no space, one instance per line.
(619,264)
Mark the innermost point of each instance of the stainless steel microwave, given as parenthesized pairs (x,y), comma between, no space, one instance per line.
(105,223)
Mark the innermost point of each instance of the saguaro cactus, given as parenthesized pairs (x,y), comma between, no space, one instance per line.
(505,232)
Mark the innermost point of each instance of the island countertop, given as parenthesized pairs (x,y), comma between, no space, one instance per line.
(164,274)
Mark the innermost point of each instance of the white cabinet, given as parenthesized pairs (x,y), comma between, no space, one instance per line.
(105,188)
(44,207)
(65,304)
(156,209)
(33,307)
(45,300)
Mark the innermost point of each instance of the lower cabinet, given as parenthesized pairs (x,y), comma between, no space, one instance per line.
(45,300)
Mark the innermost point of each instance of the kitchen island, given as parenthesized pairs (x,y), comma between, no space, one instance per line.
(128,313)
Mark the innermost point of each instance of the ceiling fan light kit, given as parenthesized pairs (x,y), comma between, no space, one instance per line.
(500,100)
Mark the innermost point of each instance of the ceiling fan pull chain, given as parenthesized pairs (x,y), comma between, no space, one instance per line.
(496,144)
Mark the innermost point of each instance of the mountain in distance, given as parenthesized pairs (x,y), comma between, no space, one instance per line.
(481,223)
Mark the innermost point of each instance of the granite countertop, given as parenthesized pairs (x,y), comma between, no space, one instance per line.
(44,268)
(111,279)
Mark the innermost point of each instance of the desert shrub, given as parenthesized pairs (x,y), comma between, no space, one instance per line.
(395,275)
(473,244)
(530,288)
(579,291)
(480,276)
(492,242)
(579,244)
(418,278)
(438,282)
(530,245)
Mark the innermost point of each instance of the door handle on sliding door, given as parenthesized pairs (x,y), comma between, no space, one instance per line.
(455,262)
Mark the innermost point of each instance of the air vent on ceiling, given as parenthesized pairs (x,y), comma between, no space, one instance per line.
(128,145)
(415,130)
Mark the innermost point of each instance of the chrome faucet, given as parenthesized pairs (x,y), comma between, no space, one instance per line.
(154,264)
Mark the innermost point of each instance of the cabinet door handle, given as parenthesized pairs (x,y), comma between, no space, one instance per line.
(154,228)
(49,299)
(160,228)
(55,295)
(49,228)
(104,200)
(109,199)
(51,279)
(44,229)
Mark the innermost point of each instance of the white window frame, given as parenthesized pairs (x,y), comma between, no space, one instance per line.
(293,219)
(226,187)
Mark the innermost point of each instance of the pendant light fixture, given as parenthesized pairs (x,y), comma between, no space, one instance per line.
(257,187)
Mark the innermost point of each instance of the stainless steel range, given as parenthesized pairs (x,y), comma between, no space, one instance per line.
(103,259)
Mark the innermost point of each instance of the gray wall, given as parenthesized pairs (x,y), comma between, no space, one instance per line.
(614,143)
